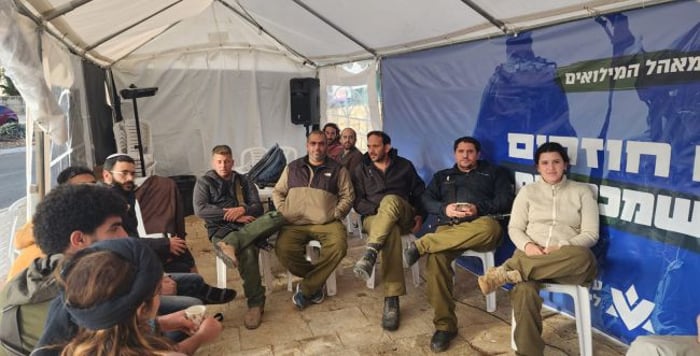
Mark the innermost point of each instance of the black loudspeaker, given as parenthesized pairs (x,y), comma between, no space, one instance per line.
(304,93)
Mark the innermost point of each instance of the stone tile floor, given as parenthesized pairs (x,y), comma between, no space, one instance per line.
(349,323)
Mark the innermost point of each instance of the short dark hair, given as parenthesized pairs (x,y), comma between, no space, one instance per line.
(117,157)
(71,172)
(73,207)
(222,150)
(315,132)
(385,138)
(551,147)
(333,125)
(467,139)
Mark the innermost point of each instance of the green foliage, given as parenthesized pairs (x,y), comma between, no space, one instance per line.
(6,85)
(12,131)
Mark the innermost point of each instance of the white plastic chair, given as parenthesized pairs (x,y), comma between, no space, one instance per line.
(488,261)
(126,141)
(353,224)
(17,213)
(582,310)
(415,269)
(313,249)
(249,157)
(290,153)
(265,271)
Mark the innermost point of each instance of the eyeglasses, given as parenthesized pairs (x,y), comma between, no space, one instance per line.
(124,173)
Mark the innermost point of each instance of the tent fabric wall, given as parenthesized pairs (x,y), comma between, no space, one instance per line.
(21,59)
(223,69)
(634,136)
(202,102)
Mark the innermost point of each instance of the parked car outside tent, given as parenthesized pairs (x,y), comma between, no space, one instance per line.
(7,115)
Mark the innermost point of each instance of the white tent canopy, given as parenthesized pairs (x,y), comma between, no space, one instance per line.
(318,32)
(223,66)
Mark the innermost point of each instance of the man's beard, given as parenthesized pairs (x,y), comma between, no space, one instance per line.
(127,187)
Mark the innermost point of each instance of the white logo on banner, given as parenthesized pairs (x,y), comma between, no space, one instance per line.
(631,309)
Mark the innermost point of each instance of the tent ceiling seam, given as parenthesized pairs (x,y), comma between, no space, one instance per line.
(144,43)
(335,27)
(44,26)
(115,34)
(487,15)
(62,10)
(251,21)
(189,50)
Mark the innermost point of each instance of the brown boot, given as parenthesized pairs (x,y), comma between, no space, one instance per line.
(496,277)
(227,253)
(253,317)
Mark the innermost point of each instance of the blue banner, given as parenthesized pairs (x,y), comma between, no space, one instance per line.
(622,93)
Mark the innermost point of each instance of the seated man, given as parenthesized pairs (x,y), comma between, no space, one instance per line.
(70,218)
(24,239)
(333,146)
(314,194)
(388,192)
(118,173)
(350,157)
(462,198)
(229,204)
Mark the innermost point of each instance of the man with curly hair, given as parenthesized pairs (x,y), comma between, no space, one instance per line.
(70,218)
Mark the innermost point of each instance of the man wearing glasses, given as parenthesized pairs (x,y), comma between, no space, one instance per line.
(119,172)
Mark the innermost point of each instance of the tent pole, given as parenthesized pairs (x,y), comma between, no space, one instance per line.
(336,27)
(251,21)
(138,137)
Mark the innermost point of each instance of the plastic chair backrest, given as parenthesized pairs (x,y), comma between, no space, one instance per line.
(289,152)
(249,157)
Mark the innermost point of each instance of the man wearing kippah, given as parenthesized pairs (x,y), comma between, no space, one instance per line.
(69,219)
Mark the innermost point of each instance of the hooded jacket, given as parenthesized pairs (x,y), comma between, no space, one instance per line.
(25,304)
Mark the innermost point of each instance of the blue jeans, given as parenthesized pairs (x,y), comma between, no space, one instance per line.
(188,286)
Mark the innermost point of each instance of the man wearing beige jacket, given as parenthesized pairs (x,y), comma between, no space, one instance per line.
(313,194)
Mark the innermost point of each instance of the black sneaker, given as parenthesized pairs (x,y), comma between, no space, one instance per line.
(319,296)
